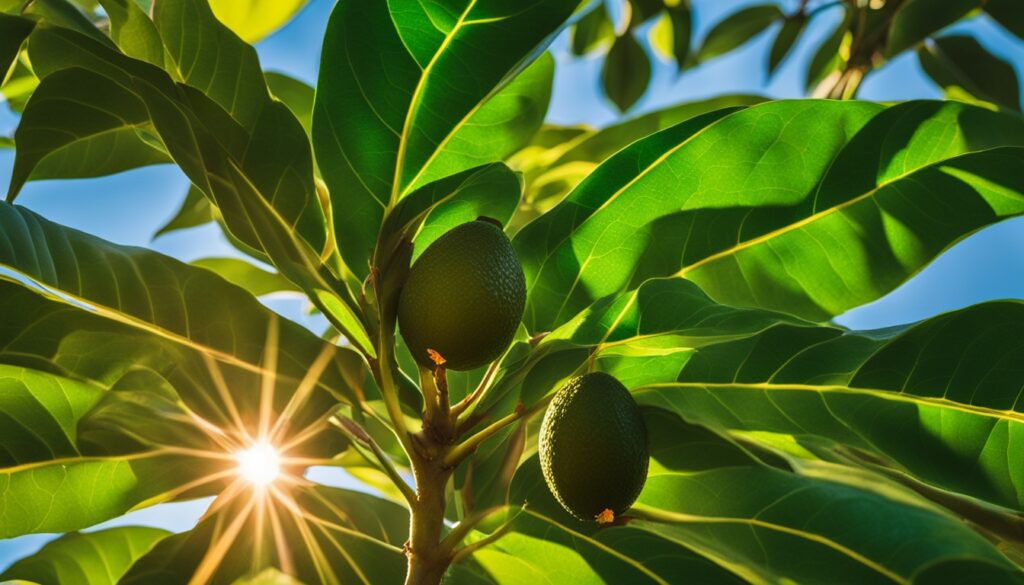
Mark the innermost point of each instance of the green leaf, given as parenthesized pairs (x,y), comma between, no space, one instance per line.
(626,72)
(330,536)
(784,41)
(295,94)
(592,31)
(13,32)
(960,62)
(256,280)
(490,190)
(195,210)
(671,34)
(19,85)
(1008,13)
(386,111)
(64,14)
(938,400)
(134,32)
(560,158)
(916,20)
(262,181)
(96,558)
(255,19)
(698,516)
(737,29)
(203,49)
(805,229)
(190,307)
(67,133)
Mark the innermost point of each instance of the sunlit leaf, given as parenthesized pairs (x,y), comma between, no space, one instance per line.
(593,30)
(252,278)
(748,218)
(134,32)
(96,558)
(295,94)
(398,83)
(254,19)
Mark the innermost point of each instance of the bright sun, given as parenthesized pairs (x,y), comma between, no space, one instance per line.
(260,464)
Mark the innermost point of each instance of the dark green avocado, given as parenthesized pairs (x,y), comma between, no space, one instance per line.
(464,297)
(593,447)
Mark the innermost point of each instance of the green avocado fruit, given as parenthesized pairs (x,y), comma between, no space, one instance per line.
(593,447)
(464,297)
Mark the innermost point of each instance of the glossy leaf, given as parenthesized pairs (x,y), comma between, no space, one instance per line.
(916,20)
(254,19)
(95,558)
(396,88)
(737,29)
(805,184)
(626,72)
(560,157)
(959,62)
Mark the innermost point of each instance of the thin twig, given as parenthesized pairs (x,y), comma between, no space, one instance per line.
(358,434)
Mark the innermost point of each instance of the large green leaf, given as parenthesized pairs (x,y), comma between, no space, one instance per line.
(41,414)
(769,207)
(939,401)
(261,178)
(96,558)
(317,534)
(558,158)
(399,81)
(189,307)
(700,515)
(203,49)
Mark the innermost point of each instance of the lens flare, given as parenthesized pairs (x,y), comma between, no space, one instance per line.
(260,464)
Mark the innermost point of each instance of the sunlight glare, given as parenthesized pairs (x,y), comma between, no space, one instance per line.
(259,464)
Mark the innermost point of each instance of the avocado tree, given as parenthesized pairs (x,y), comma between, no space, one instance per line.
(637,381)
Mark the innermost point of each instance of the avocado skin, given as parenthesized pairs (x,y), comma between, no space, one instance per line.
(464,297)
(593,446)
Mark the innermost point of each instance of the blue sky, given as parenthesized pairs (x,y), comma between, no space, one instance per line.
(128,208)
